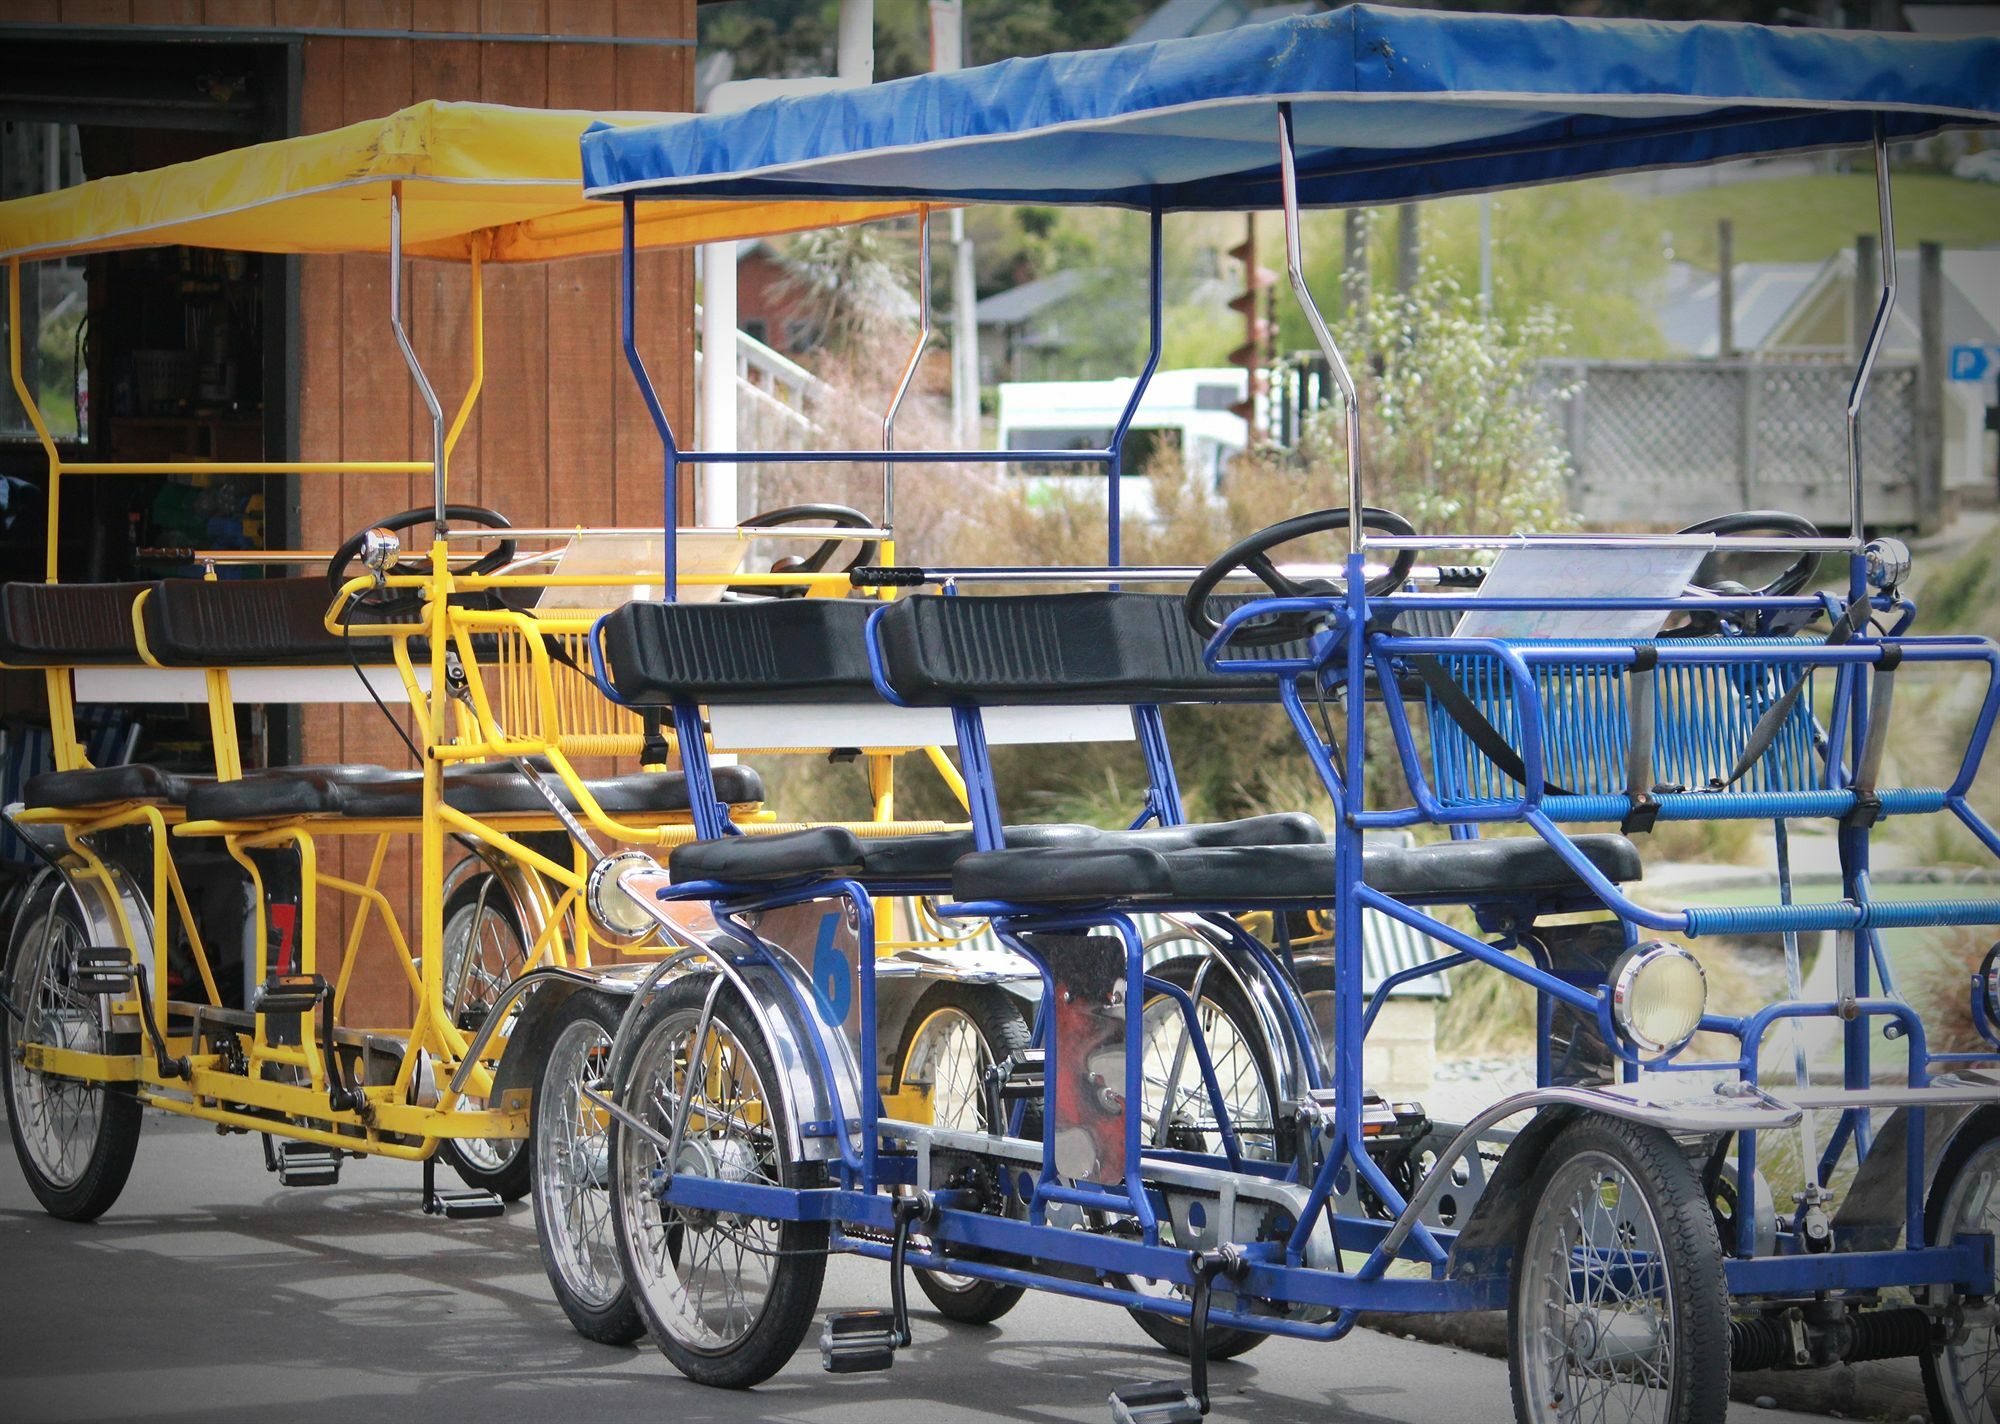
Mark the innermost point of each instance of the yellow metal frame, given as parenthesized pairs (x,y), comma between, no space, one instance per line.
(523,703)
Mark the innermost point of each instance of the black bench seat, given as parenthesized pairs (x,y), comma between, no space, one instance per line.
(495,789)
(1497,868)
(109,785)
(826,851)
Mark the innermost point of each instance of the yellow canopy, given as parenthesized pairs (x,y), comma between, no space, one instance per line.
(502,181)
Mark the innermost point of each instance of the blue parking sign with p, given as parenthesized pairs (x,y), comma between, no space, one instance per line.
(1969,363)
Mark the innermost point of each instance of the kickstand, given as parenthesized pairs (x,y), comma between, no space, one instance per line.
(432,1206)
(908,1211)
(1205,1268)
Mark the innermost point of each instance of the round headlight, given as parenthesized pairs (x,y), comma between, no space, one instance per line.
(1658,995)
(617,912)
(1989,983)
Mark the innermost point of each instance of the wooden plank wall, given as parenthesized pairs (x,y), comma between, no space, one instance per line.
(560,435)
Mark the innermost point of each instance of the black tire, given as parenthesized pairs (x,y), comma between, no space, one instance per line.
(653,1239)
(1598,1159)
(91,1128)
(579,1249)
(1956,1374)
(995,1016)
(1222,997)
(500,1166)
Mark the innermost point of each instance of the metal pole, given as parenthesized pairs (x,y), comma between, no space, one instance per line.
(947,56)
(1877,333)
(909,366)
(1295,270)
(854,42)
(718,378)
(410,355)
(671,463)
(1115,454)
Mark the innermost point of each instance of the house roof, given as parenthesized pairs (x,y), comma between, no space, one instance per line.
(1971,298)
(1690,313)
(1030,299)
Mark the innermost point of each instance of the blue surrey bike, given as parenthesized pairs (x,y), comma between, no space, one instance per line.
(1199,1146)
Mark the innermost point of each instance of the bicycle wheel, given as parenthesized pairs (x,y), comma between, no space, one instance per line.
(571,1156)
(1618,1311)
(75,1138)
(727,1295)
(1179,1113)
(955,1033)
(485,950)
(1962,1376)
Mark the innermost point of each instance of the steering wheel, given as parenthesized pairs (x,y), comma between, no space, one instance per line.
(391,602)
(1253,554)
(1735,571)
(838,515)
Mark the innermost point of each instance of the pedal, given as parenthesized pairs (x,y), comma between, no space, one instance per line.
(290,993)
(1154,1404)
(467,1205)
(307,1164)
(102,969)
(1020,1075)
(853,1342)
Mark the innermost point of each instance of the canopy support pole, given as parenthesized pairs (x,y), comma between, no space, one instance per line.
(409,352)
(671,469)
(473,387)
(1877,334)
(30,406)
(1295,270)
(1114,463)
(909,366)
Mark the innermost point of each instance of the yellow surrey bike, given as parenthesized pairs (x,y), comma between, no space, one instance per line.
(170,954)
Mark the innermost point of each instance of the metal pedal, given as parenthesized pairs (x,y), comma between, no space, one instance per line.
(471,1204)
(102,969)
(853,1342)
(1154,1404)
(290,993)
(307,1164)
(468,1205)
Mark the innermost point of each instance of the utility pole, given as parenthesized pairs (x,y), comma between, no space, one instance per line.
(1409,242)
(1725,290)
(947,54)
(1354,268)
(1254,355)
(1486,252)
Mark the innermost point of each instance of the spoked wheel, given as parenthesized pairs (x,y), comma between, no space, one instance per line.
(1179,1113)
(955,1033)
(571,1162)
(485,950)
(1962,1377)
(1619,1312)
(75,1139)
(727,1295)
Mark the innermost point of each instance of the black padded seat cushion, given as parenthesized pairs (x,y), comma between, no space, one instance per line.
(1451,871)
(494,790)
(739,652)
(54,624)
(252,623)
(825,851)
(1054,649)
(108,785)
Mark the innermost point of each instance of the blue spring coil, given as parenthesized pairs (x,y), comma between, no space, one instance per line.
(1840,915)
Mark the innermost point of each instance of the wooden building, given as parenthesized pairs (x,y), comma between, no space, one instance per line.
(560,435)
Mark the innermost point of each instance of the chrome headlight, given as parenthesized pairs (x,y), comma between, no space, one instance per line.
(1658,995)
(617,913)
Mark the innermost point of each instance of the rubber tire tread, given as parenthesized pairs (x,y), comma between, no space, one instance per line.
(1171,1333)
(794,1298)
(1982,1128)
(516,1177)
(618,1322)
(997,1015)
(1688,1235)
(119,1117)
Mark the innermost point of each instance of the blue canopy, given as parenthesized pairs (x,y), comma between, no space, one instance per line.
(1388,105)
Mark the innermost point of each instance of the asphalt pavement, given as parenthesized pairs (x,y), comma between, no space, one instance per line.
(211,1293)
